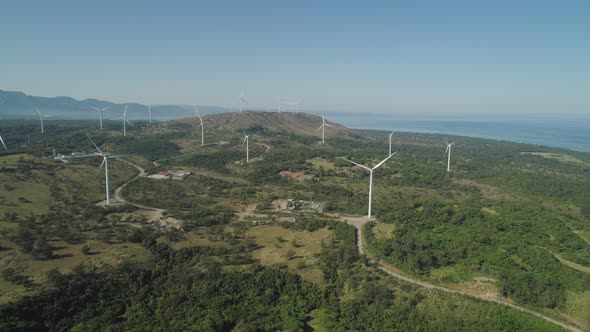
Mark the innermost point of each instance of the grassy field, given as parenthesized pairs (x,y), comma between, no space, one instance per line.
(295,249)
(68,256)
(557,156)
(24,194)
(197,238)
(577,308)
(384,231)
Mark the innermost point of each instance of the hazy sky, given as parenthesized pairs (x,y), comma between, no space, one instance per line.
(516,57)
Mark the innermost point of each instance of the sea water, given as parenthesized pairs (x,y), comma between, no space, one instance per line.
(573,134)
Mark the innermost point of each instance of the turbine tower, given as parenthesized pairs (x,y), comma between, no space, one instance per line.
(4,145)
(371,178)
(202,130)
(247,142)
(297,104)
(323,128)
(242,100)
(448,150)
(105,162)
(40,117)
(100,114)
(125,121)
(390,141)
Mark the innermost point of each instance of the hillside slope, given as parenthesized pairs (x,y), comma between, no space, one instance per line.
(297,123)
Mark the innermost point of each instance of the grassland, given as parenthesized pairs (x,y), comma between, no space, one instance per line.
(295,249)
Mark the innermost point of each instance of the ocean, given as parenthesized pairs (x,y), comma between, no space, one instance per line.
(561,133)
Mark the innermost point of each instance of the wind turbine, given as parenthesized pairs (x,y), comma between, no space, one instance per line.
(390,141)
(242,100)
(40,117)
(100,114)
(297,104)
(105,162)
(247,142)
(449,148)
(196,110)
(125,121)
(371,178)
(323,128)
(150,111)
(202,130)
(2,141)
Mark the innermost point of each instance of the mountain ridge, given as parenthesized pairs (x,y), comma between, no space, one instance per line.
(18,105)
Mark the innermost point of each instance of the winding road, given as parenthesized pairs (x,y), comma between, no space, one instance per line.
(153,214)
(359,222)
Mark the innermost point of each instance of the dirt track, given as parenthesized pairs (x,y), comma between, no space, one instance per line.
(359,222)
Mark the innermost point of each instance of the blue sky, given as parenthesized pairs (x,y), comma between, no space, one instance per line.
(435,57)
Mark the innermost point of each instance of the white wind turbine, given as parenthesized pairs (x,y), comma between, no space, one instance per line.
(40,118)
(371,178)
(105,162)
(202,125)
(390,135)
(125,121)
(247,142)
(297,104)
(323,128)
(4,145)
(99,110)
(449,148)
(242,100)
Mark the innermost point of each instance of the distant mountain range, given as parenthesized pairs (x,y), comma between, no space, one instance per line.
(18,105)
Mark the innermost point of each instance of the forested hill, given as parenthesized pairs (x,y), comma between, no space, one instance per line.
(297,123)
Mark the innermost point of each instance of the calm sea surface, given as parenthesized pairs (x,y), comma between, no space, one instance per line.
(569,134)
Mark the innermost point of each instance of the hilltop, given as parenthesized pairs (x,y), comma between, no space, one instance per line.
(297,123)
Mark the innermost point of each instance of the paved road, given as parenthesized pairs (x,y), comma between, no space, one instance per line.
(359,222)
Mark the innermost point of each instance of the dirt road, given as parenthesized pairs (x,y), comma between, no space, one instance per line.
(359,222)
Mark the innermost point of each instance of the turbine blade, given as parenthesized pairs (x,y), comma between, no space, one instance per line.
(363,166)
(131,124)
(96,146)
(446,140)
(329,125)
(384,160)
(100,167)
(125,113)
(38,112)
(1,140)
(117,156)
(319,128)
(104,109)
(447,150)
